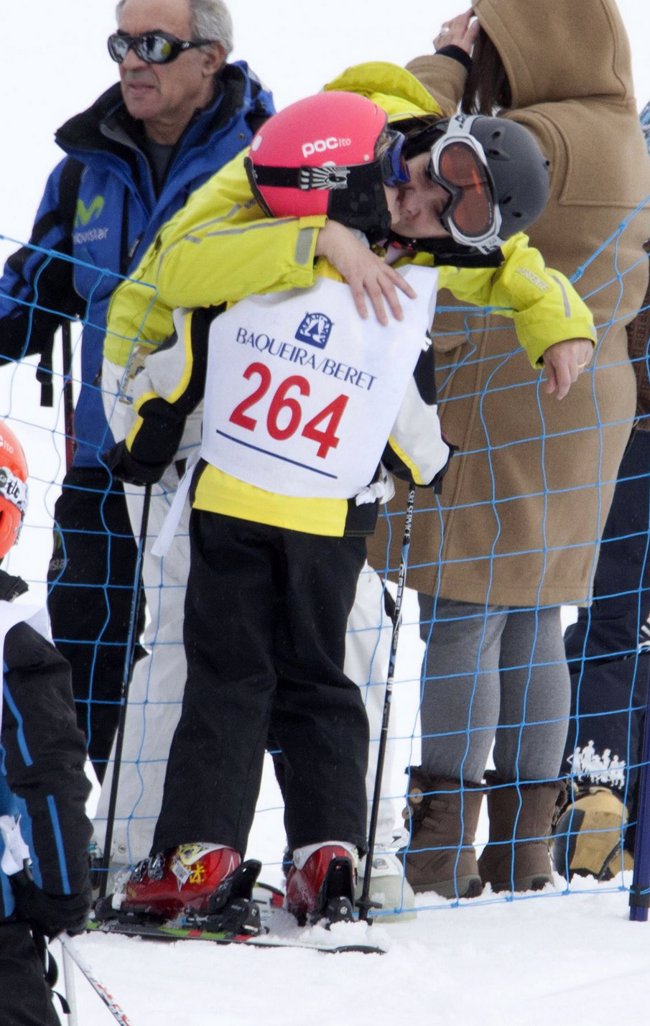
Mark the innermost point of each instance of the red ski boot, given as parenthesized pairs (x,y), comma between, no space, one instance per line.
(201,882)
(324,887)
(180,878)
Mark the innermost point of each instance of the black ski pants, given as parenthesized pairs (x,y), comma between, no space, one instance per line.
(609,678)
(265,621)
(90,589)
(25,996)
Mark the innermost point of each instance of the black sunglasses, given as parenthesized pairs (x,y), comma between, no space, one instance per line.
(152,47)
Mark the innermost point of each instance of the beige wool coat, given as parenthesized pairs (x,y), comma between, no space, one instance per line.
(525,500)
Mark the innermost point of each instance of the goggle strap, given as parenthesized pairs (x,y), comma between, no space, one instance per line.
(304,178)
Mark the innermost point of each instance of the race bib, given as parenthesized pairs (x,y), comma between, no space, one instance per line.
(301,393)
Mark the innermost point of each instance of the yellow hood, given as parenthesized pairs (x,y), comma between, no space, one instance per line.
(392,88)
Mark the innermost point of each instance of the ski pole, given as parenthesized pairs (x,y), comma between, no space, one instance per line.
(70,993)
(68,393)
(129,660)
(71,948)
(364,903)
(640,890)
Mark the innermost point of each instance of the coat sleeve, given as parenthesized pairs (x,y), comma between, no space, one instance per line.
(218,248)
(417,451)
(443,76)
(36,288)
(44,761)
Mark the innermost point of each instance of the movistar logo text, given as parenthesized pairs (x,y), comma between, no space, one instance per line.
(86,214)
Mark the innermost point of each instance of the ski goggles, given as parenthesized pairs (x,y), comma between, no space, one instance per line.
(458,163)
(156,47)
(392,164)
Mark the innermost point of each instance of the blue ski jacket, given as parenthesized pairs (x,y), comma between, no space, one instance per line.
(100,211)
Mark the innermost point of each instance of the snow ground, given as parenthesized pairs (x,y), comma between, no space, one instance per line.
(568,956)
(561,958)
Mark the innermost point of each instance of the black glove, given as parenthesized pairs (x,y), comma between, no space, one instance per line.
(128,469)
(49,913)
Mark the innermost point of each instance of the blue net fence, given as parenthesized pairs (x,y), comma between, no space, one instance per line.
(514,703)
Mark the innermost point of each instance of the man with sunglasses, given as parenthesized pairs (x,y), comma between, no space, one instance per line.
(179,112)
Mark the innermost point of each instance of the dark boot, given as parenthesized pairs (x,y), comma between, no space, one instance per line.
(442,815)
(516,857)
(590,835)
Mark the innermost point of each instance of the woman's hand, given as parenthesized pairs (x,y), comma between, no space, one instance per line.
(564,362)
(368,276)
(460,31)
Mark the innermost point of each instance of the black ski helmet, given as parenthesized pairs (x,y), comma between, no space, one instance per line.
(516,169)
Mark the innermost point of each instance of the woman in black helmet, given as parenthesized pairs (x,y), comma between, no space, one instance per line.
(490,175)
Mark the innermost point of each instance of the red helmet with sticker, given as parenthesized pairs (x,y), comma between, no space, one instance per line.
(13,488)
(328,154)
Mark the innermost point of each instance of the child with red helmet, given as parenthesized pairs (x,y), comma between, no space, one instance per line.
(304,403)
(44,832)
(13,489)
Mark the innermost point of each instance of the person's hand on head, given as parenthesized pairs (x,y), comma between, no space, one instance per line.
(563,364)
(370,278)
(460,31)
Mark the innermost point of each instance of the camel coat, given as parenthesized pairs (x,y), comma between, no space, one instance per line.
(526,498)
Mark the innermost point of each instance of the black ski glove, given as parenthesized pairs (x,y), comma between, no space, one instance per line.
(126,468)
(49,913)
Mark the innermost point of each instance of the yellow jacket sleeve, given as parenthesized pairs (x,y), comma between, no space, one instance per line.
(543,304)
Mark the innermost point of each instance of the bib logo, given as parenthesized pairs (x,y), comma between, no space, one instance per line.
(86,214)
(315,329)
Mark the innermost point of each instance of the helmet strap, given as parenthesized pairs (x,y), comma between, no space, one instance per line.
(362,206)
(356,193)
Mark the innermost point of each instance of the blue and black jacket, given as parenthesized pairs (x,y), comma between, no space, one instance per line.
(100,211)
(42,757)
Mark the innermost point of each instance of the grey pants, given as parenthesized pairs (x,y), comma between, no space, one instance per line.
(492,674)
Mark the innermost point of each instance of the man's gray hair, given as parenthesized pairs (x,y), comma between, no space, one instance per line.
(209,19)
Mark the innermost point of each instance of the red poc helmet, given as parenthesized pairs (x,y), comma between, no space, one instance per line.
(319,156)
(13,488)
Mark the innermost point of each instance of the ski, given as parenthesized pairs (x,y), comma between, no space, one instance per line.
(277,934)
